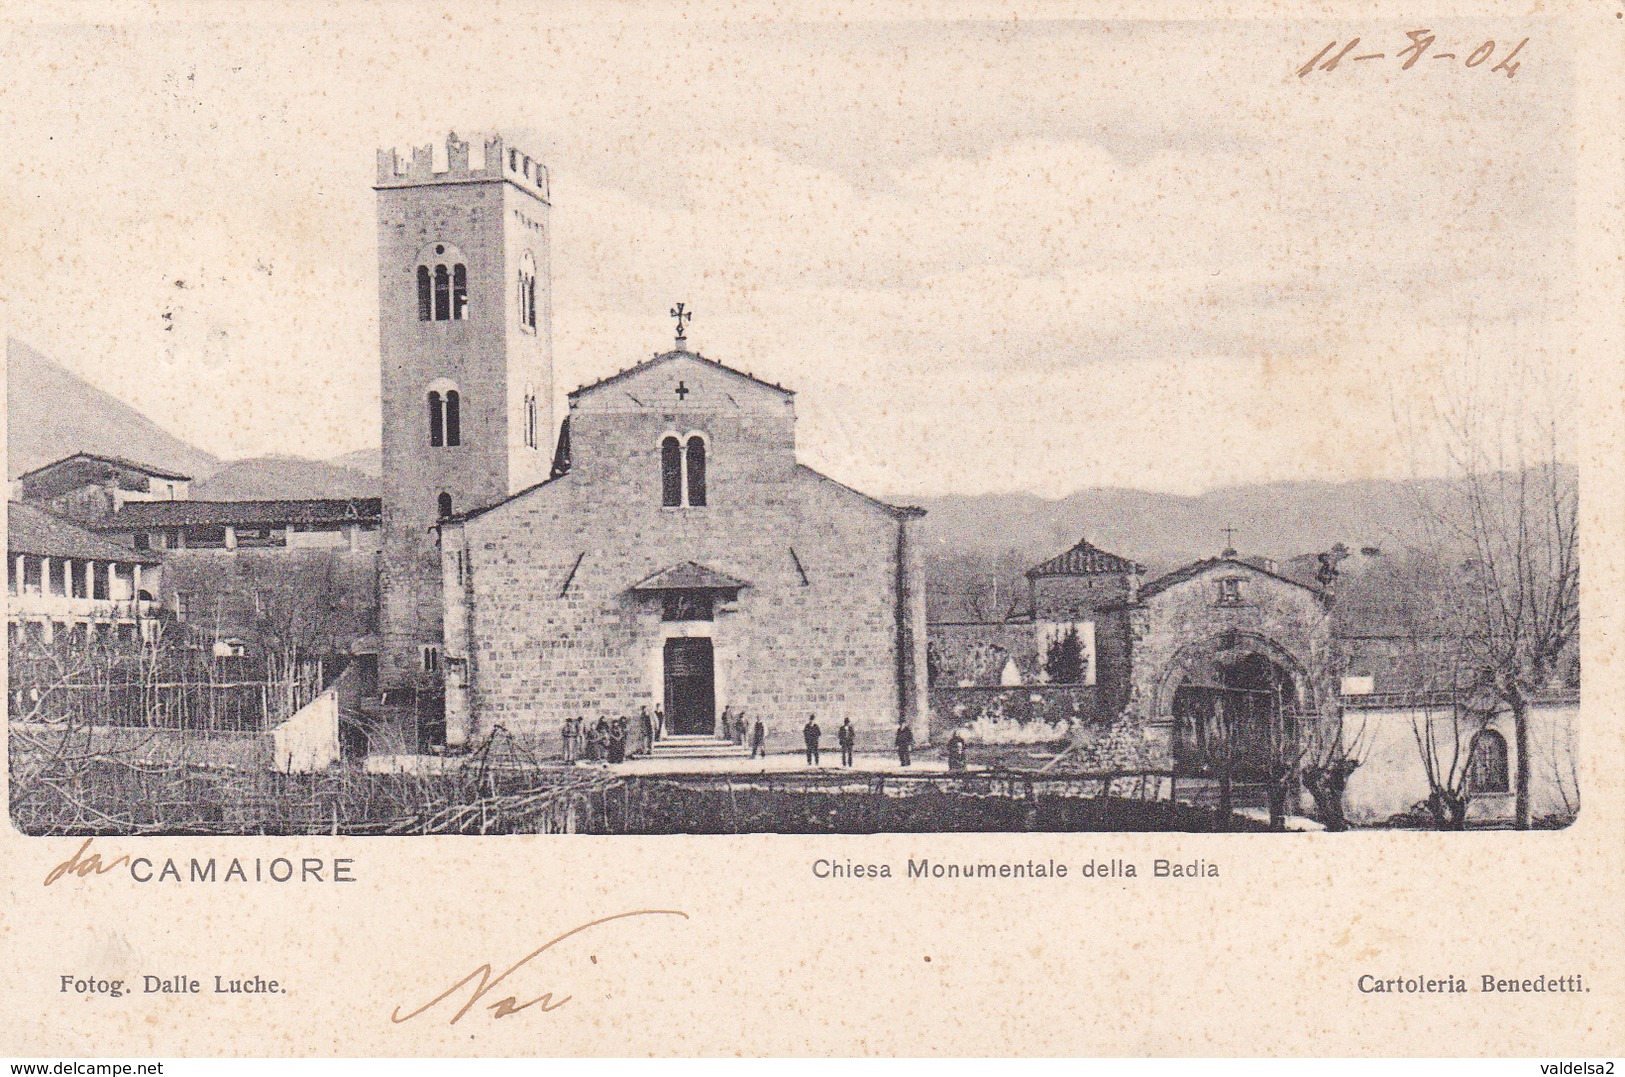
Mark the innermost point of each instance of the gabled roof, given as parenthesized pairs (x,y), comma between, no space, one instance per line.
(665,357)
(140,515)
(689,576)
(476,513)
(1197,568)
(908,511)
(33,530)
(115,461)
(1085,560)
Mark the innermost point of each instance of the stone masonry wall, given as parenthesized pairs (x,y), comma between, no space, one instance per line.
(540,650)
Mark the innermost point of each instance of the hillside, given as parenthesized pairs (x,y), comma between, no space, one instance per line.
(269,477)
(52,413)
(1276,520)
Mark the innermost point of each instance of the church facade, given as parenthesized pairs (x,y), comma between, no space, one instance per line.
(682,557)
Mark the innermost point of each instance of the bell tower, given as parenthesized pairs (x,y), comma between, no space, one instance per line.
(466,368)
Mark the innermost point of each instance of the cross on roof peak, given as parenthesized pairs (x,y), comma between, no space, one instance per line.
(683,317)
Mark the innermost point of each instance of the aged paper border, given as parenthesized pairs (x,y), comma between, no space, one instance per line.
(1261,961)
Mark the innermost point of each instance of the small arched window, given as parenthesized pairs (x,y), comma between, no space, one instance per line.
(530,420)
(1487,769)
(454,418)
(671,473)
(442,277)
(443,503)
(442,293)
(445,417)
(527,292)
(696,471)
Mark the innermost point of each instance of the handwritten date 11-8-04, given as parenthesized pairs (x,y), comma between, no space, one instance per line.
(1422,42)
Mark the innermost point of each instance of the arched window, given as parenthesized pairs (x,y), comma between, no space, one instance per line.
(1487,769)
(530,420)
(445,416)
(527,292)
(671,473)
(696,471)
(444,505)
(454,418)
(442,284)
(442,293)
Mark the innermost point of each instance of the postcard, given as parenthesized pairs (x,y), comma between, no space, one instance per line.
(714,530)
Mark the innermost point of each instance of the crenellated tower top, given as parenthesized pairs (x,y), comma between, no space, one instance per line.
(500,164)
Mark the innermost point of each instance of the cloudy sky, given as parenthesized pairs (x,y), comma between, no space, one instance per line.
(989,255)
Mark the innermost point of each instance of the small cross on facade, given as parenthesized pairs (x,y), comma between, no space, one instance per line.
(1230,540)
(683,317)
(682,390)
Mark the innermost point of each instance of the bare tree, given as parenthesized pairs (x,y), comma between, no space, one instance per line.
(1507,520)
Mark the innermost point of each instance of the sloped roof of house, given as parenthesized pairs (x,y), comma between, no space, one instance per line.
(689,576)
(665,357)
(33,530)
(1197,568)
(1085,559)
(113,461)
(140,515)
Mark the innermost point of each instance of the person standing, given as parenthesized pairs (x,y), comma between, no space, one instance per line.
(811,734)
(569,738)
(600,739)
(660,722)
(617,741)
(847,737)
(758,740)
(905,744)
(739,728)
(646,729)
(956,752)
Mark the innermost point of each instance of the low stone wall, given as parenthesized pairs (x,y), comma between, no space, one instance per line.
(1049,705)
(157,747)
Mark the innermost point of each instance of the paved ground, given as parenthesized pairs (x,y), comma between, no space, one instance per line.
(773,764)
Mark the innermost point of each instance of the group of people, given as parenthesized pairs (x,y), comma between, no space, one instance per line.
(619,739)
(612,740)
(736,729)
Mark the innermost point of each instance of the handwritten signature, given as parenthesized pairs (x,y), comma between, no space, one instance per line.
(510,1004)
(89,865)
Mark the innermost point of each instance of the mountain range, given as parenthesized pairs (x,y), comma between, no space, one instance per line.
(52,413)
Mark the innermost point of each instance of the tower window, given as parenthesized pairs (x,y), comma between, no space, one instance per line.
(671,473)
(443,503)
(445,418)
(442,293)
(442,278)
(530,420)
(696,471)
(527,292)
(459,292)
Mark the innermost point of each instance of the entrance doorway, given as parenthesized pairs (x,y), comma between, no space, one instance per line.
(691,691)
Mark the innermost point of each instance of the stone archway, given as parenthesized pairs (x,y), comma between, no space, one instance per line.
(1235,659)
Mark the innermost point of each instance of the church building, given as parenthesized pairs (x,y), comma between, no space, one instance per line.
(681,557)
